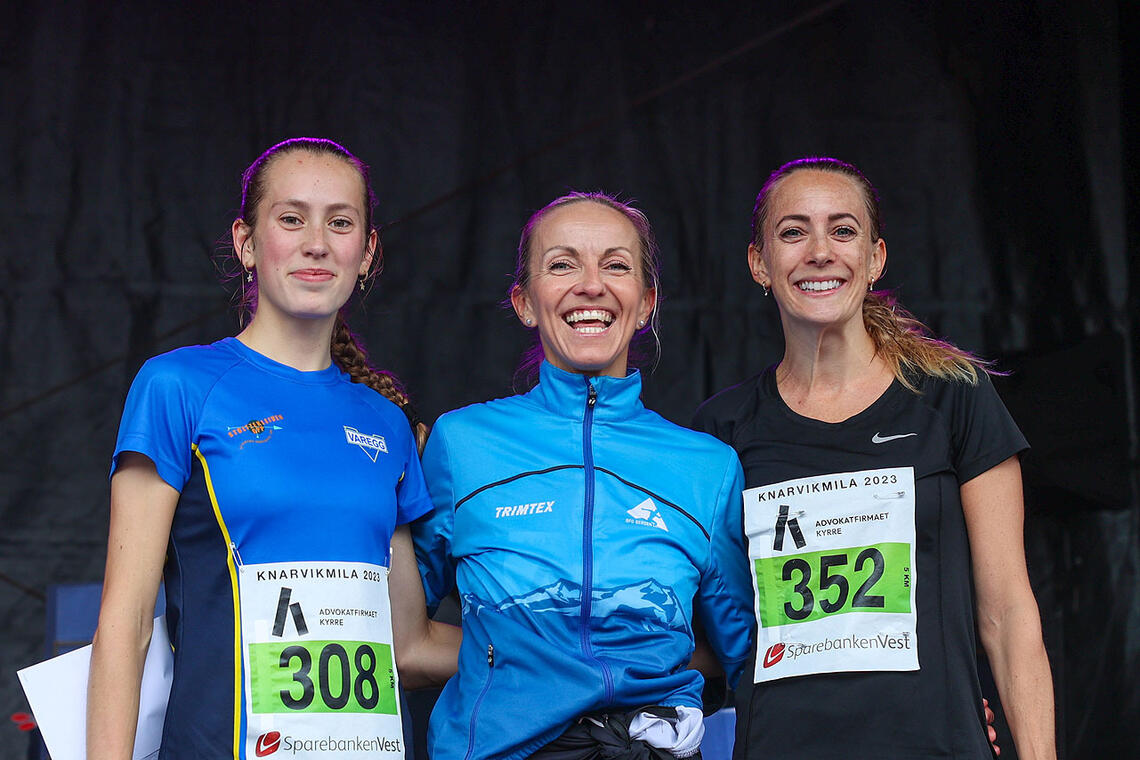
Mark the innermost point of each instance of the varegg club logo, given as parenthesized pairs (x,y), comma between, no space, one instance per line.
(371,445)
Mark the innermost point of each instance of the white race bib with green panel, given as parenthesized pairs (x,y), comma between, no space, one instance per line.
(320,678)
(833,570)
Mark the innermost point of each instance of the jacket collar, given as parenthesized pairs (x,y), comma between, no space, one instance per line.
(565,393)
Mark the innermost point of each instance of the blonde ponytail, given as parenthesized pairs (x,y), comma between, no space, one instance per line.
(911,349)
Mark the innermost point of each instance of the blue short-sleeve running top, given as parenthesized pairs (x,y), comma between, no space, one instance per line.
(272,464)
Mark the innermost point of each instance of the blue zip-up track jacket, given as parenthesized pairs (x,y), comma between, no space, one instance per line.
(581,529)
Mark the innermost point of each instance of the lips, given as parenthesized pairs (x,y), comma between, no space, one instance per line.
(589,321)
(313,275)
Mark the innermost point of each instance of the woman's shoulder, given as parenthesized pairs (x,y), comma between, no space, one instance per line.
(188,365)
(730,405)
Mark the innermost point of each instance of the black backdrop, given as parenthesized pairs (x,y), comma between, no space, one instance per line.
(999,135)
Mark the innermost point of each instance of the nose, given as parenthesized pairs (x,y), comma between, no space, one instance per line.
(819,252)
(590,281)
(315,244)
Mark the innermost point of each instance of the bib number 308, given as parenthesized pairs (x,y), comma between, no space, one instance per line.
(322,676)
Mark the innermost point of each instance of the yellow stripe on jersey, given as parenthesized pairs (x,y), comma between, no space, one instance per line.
(237,603)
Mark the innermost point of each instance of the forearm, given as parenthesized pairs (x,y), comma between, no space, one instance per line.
(432,658)
(1020,667)
(426,650)
(117,657)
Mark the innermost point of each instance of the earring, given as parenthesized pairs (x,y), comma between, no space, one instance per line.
(529,321)
(765,288)
(361,283)
(249,275)
(870,285)
(640,323)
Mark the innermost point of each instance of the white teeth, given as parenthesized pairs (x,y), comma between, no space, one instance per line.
(583,315)
(590,330)
(817,285)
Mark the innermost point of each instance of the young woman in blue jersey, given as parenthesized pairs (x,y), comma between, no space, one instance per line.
(582,530)
(883,507)
(264,478)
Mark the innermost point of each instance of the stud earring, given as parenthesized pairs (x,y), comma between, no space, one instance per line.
(640,323)
(529,321)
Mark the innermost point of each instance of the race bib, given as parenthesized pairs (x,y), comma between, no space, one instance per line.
(320,678)
(833,571)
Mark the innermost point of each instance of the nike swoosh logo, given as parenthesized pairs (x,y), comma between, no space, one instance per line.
(876,438)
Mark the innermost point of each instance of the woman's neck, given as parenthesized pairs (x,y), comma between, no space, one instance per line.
(300,344)
(831,374)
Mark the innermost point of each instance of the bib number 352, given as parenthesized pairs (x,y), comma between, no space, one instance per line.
(814,585)
(323,676)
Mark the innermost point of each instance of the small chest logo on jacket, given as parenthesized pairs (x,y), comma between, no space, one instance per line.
(371,445)
(646,513)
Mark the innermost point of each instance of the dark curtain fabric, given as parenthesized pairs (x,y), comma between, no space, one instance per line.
(994,132)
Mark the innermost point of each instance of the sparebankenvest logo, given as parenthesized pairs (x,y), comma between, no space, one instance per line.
(371,445)
(270,742)
(793,650)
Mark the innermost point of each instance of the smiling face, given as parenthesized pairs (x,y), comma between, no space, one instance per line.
(309,240)
(817,250)
(586,292)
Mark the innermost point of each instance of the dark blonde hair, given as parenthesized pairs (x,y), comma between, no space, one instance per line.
(906,344)
(345,348)
(649,258)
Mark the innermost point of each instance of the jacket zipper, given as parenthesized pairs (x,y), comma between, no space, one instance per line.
(587,538)
(479,699)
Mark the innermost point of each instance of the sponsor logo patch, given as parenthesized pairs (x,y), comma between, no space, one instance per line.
(517,510)
(371,445)
(255,431)
(646,513)
(268,743)
(774,654)
(792,525)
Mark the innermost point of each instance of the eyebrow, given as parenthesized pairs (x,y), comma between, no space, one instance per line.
(297,203)
(830,218)
(574,251)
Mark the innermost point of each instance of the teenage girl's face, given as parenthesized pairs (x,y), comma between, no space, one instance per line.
(310,242)
(587,290)
(818,257)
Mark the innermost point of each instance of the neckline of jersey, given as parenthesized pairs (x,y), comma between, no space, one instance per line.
(772,388)
(330,375)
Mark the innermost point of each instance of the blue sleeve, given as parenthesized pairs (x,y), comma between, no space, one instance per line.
(412,499)
(725,596)
(432,534)
(160,419)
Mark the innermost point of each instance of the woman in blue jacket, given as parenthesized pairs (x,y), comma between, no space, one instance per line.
(582,530)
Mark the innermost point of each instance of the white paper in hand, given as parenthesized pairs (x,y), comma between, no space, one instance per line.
(57,692)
